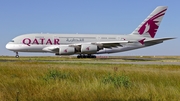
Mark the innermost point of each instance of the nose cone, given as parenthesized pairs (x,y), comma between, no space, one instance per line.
(9,46)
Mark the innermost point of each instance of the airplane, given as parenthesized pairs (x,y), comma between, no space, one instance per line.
(87,45)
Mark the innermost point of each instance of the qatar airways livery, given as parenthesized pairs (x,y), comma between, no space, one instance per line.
(86,45)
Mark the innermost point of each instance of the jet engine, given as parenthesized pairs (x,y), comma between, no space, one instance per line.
(66,50)
(89,48)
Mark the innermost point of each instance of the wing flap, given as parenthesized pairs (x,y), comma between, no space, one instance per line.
(109,44)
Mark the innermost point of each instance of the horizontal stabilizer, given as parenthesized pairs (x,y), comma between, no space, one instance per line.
(158,40)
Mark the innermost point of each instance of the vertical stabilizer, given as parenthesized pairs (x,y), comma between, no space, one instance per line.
(150,25)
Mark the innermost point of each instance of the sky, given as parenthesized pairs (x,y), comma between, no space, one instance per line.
(19,17)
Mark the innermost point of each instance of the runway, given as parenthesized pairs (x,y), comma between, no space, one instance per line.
(105,62)
(122,60)
(139,62)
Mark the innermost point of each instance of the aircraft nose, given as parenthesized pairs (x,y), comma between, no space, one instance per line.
(9,46)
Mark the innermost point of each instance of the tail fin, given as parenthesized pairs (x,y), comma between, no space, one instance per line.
(150,25)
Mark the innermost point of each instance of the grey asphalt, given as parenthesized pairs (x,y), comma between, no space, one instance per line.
(103,62)
(139,62)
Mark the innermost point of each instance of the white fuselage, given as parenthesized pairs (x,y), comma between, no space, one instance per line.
(37,42)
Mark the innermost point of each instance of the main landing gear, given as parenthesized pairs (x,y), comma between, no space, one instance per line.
(86,56)
(17,55)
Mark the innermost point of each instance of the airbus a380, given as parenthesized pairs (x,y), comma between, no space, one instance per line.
(85,45)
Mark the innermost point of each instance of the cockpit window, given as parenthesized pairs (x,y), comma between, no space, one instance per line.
(12,40)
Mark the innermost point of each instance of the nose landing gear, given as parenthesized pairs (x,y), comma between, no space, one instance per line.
(17,55)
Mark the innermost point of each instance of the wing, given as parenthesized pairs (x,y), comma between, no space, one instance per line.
(77,46)
(107,44)
(101,45)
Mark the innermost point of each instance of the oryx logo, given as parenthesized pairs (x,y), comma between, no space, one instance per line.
(65,51)
(150,26)
(88,48)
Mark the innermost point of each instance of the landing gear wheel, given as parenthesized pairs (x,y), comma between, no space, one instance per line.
(79,56)
(86,56)
(94,56)
(17,55)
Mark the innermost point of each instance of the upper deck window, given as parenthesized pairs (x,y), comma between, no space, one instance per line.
(103,37)
(111,38)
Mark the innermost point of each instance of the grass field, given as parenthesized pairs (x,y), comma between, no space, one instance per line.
(34,80)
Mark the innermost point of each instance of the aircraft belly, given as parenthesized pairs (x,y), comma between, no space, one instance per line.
(32,48)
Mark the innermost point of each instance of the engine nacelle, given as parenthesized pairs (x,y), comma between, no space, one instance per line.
(66,50)
(89,48)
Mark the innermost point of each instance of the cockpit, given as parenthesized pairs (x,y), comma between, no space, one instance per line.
(12,41)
